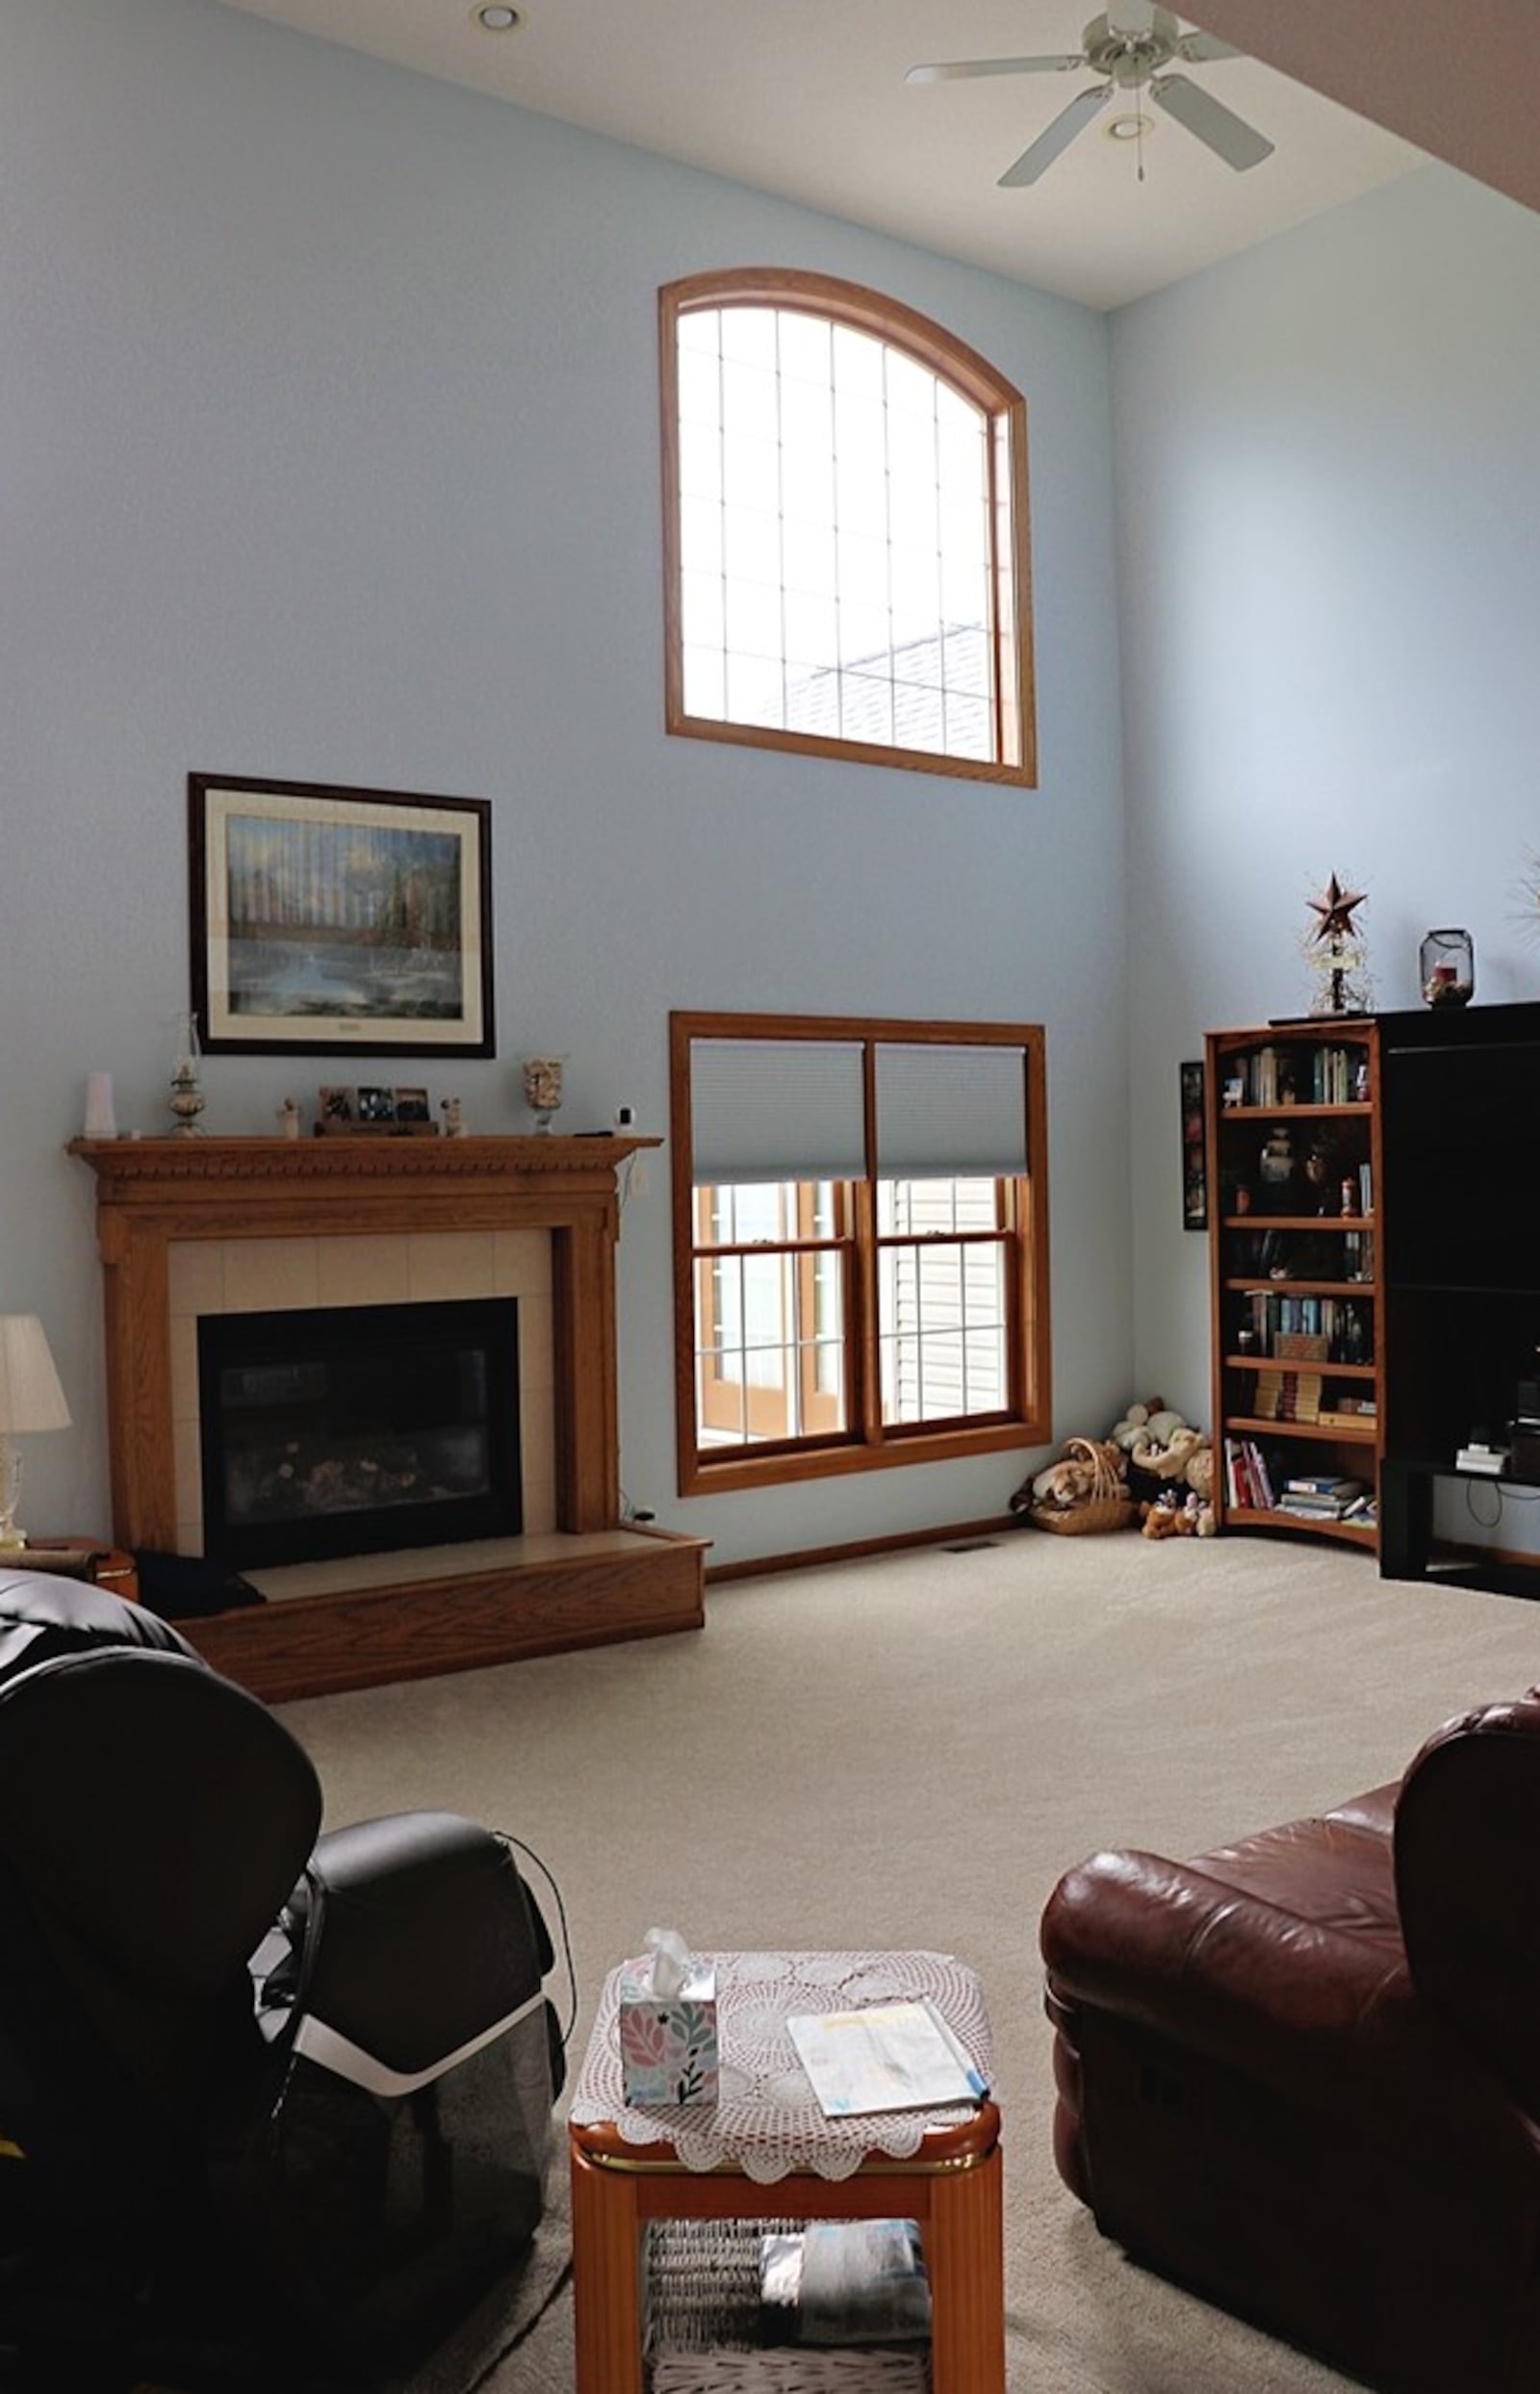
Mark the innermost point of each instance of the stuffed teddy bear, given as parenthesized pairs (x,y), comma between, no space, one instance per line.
(1183,1459)
(1072,1479)
(1162,1518)
(1133,1432)
(1170,1460)
(1172,1516)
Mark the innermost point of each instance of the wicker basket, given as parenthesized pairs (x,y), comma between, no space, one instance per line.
(1108,1505)
(704,2321)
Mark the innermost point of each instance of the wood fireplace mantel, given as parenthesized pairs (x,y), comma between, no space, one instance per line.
(154,1190)
(153,1193)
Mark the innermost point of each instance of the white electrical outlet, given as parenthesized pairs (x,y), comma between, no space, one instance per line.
(639,1177)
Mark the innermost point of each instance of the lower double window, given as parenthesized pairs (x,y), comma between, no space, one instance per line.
(860,1236)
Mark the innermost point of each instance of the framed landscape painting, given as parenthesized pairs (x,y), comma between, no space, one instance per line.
(324,919)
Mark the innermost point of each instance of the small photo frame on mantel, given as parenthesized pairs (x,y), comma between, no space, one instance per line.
(327,919)
(1194,1165)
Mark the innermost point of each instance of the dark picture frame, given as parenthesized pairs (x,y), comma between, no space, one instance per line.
(1194,1158)
(326,919)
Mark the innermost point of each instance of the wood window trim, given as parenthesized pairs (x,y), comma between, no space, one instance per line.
(950,358)
(868,1445)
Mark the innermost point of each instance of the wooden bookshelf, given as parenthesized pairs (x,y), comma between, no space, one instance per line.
(1292,1152)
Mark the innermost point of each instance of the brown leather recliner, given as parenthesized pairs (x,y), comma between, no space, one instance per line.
(1300,2074)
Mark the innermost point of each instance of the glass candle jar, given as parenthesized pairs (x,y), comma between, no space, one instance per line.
(1447,967)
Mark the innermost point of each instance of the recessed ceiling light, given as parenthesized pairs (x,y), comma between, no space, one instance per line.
(496,20)
(1130,129)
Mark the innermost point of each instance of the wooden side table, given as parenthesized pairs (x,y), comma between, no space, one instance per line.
(950,2183)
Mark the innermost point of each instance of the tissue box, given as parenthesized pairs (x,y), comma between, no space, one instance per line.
(668,2048)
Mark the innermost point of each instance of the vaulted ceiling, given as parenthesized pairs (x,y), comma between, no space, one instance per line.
(808,99)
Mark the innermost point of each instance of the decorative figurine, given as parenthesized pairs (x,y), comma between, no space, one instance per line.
(453,1113)
(542,1088)
(187,1099)
(1336,949)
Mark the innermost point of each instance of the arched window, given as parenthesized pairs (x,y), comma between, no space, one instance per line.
(845,529)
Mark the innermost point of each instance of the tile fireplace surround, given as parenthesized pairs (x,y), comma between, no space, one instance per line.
(190,1226)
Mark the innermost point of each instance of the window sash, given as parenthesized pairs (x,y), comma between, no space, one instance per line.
(805,680)
(982,1368)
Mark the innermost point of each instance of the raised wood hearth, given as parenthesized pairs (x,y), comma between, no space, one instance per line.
(590,1582)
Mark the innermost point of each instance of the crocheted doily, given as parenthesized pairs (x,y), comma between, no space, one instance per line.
(767,2121)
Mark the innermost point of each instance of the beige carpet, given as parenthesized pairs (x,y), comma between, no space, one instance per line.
(909,1752)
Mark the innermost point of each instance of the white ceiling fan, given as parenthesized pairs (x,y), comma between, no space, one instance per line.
(1130,46)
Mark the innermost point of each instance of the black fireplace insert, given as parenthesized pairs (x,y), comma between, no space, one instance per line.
(353,1429)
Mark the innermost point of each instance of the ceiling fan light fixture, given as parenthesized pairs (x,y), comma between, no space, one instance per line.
(1132,45)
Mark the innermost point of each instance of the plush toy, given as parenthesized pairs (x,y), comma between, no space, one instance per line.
(1073,1478)
(1133,1432)
(1172,1516)
(1161,1519)
(1170,1460)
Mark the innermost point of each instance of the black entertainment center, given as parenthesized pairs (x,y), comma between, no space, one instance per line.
(1460,1259)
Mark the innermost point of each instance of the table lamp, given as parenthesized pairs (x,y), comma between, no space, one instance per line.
(30,1399)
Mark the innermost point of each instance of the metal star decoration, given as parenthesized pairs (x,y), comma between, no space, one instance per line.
(1336,910)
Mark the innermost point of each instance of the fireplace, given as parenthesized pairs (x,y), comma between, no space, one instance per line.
(191,1228)
(356,1429)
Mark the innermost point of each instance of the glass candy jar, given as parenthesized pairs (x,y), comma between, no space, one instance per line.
(1447,967)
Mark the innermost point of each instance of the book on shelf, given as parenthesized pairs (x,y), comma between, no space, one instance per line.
(1300,1347)
(1307,1328)
(1288,1396)
(1286,1074)
(1249,1482)
(1319,1496)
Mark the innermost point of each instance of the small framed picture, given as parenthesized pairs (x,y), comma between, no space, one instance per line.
(376,1105)
(1194,1165)
(336,1105)
(411,1105)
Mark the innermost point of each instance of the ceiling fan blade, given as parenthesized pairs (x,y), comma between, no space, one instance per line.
(1059,136)
(1202,49)
(1217,126)
(956,70)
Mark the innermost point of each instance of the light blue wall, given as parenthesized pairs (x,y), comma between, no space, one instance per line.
(1328,485)
(328,449)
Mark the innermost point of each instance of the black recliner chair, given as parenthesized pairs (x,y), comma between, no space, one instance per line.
(274,2108)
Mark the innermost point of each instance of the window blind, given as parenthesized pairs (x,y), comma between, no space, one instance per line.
(951,1113)
(767,1109)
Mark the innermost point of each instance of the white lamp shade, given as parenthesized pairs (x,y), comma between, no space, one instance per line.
(30,1395)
